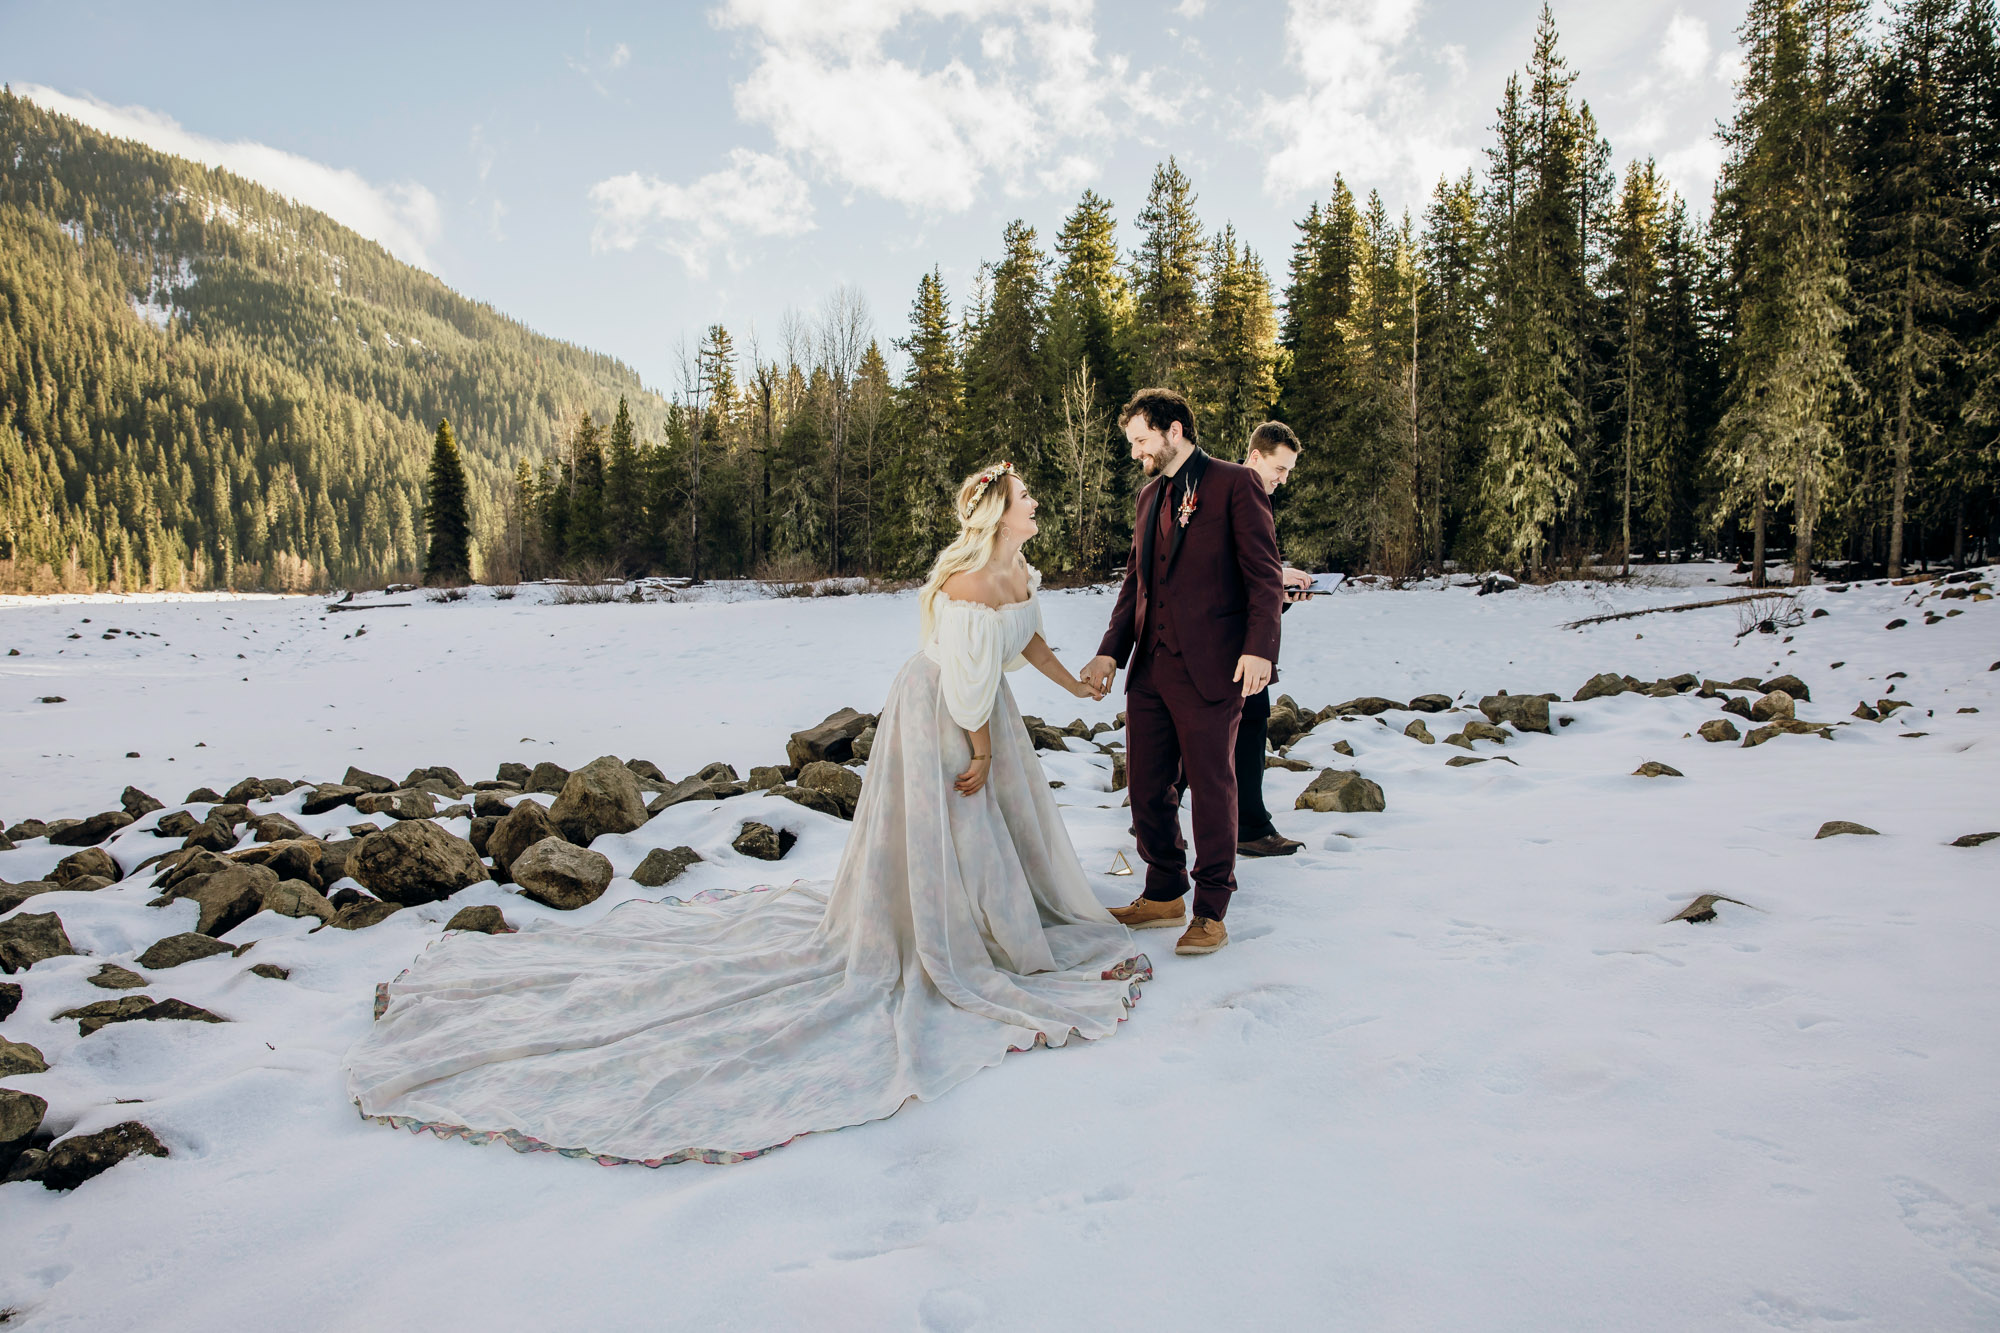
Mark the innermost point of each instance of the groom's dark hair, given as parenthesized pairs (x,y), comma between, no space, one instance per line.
(1272,436)
(1161,408)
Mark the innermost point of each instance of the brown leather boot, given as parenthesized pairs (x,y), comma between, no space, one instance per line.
(1148,914)
(1204,936)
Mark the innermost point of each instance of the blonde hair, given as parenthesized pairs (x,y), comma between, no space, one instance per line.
(980,505)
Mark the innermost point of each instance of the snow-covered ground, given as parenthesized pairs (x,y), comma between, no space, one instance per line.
(1455,1070)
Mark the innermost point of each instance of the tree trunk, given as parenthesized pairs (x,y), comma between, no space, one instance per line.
(1899,488)
(1757,542)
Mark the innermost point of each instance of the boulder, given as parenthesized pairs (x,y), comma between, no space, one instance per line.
(17,1057)
(13,895)
(1718,729)
(843,784)
(1835,827)
(227,898)
(485,919)
(1368,705)
(518,774)
(440,774)
(271,972)
(415,862)
(1527,712)
(601,797)
(405,803)
(546,777)
(297,898)
(1962,840)
(231,815)
(1786,727)
(812,798)
(1341,791)
(764,842)
(27,938)
(561,874)
(175,824)
(480,831)
(1603,685)
(1653,768)
(90,1017)
(1272,761)
(89,832)
(10,999)
(1287,723)
(138,804)
(274,828)
(650,771)
(1791,685)
(329,796)
(363,913)
(89,861)
(360,779)
(491,805)
(110,976)
(1430,703)
(663,865)
(525,825)
(1417,731)
(1737,705)
(1865,713)
(1773,707)
(1342,747)
(832,739)
(347,898)
(335,856)
(20,1119)
(73,1160)
(1475,730)
(177,949)
(26,829)
(185,864)
(246,791)
(294,858)
(766,776)
(718,772)
(687,789)
(864,745)
(215,835)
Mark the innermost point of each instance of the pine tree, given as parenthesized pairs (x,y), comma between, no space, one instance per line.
(624,497)
(1166,279)
(930,402)
(589,539)
(1239,350)
(1451,385)
(1008,388)
(1091,302)
(447,522)
(1635,280)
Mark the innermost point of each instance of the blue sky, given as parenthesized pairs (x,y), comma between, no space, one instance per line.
(622,175)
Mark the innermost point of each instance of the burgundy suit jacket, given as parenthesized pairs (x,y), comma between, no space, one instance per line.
(1223,575)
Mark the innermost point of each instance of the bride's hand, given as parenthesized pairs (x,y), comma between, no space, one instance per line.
(974,777)
(1081,690)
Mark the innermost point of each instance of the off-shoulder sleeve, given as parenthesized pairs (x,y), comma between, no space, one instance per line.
(969,649)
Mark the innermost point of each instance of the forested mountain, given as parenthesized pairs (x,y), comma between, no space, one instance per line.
(1558,364)
(203,382)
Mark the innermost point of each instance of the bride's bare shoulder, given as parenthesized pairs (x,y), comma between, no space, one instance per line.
(969,585)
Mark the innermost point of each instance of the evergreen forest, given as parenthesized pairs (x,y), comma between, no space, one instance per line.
(1559,364)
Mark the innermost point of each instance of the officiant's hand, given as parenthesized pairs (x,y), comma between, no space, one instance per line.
(1098,673)
(1254,672)
(1297,584)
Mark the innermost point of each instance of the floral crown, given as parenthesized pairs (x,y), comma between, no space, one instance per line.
(986,478)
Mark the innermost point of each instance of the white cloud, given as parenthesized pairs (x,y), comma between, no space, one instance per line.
(1363,111)
(929,137)
(621,55)
(1684,51)
(755,195)
(1191,9)
(403,216)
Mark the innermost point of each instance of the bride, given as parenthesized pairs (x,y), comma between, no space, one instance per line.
(958,927)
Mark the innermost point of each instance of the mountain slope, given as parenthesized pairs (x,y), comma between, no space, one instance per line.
(203,382)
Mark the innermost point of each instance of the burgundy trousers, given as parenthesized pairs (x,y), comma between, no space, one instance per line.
(1170,729)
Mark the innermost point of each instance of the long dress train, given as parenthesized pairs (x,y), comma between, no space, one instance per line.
(956,929)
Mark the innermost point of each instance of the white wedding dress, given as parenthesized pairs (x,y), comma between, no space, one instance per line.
(957,929)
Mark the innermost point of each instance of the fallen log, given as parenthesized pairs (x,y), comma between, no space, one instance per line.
(378,606)
(1684,606)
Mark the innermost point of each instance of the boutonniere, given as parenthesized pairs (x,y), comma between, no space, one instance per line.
(1188,503)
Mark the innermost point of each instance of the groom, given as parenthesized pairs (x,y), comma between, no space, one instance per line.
(1198,617)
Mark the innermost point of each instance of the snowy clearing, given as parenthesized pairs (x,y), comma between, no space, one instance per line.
(1457,1069)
